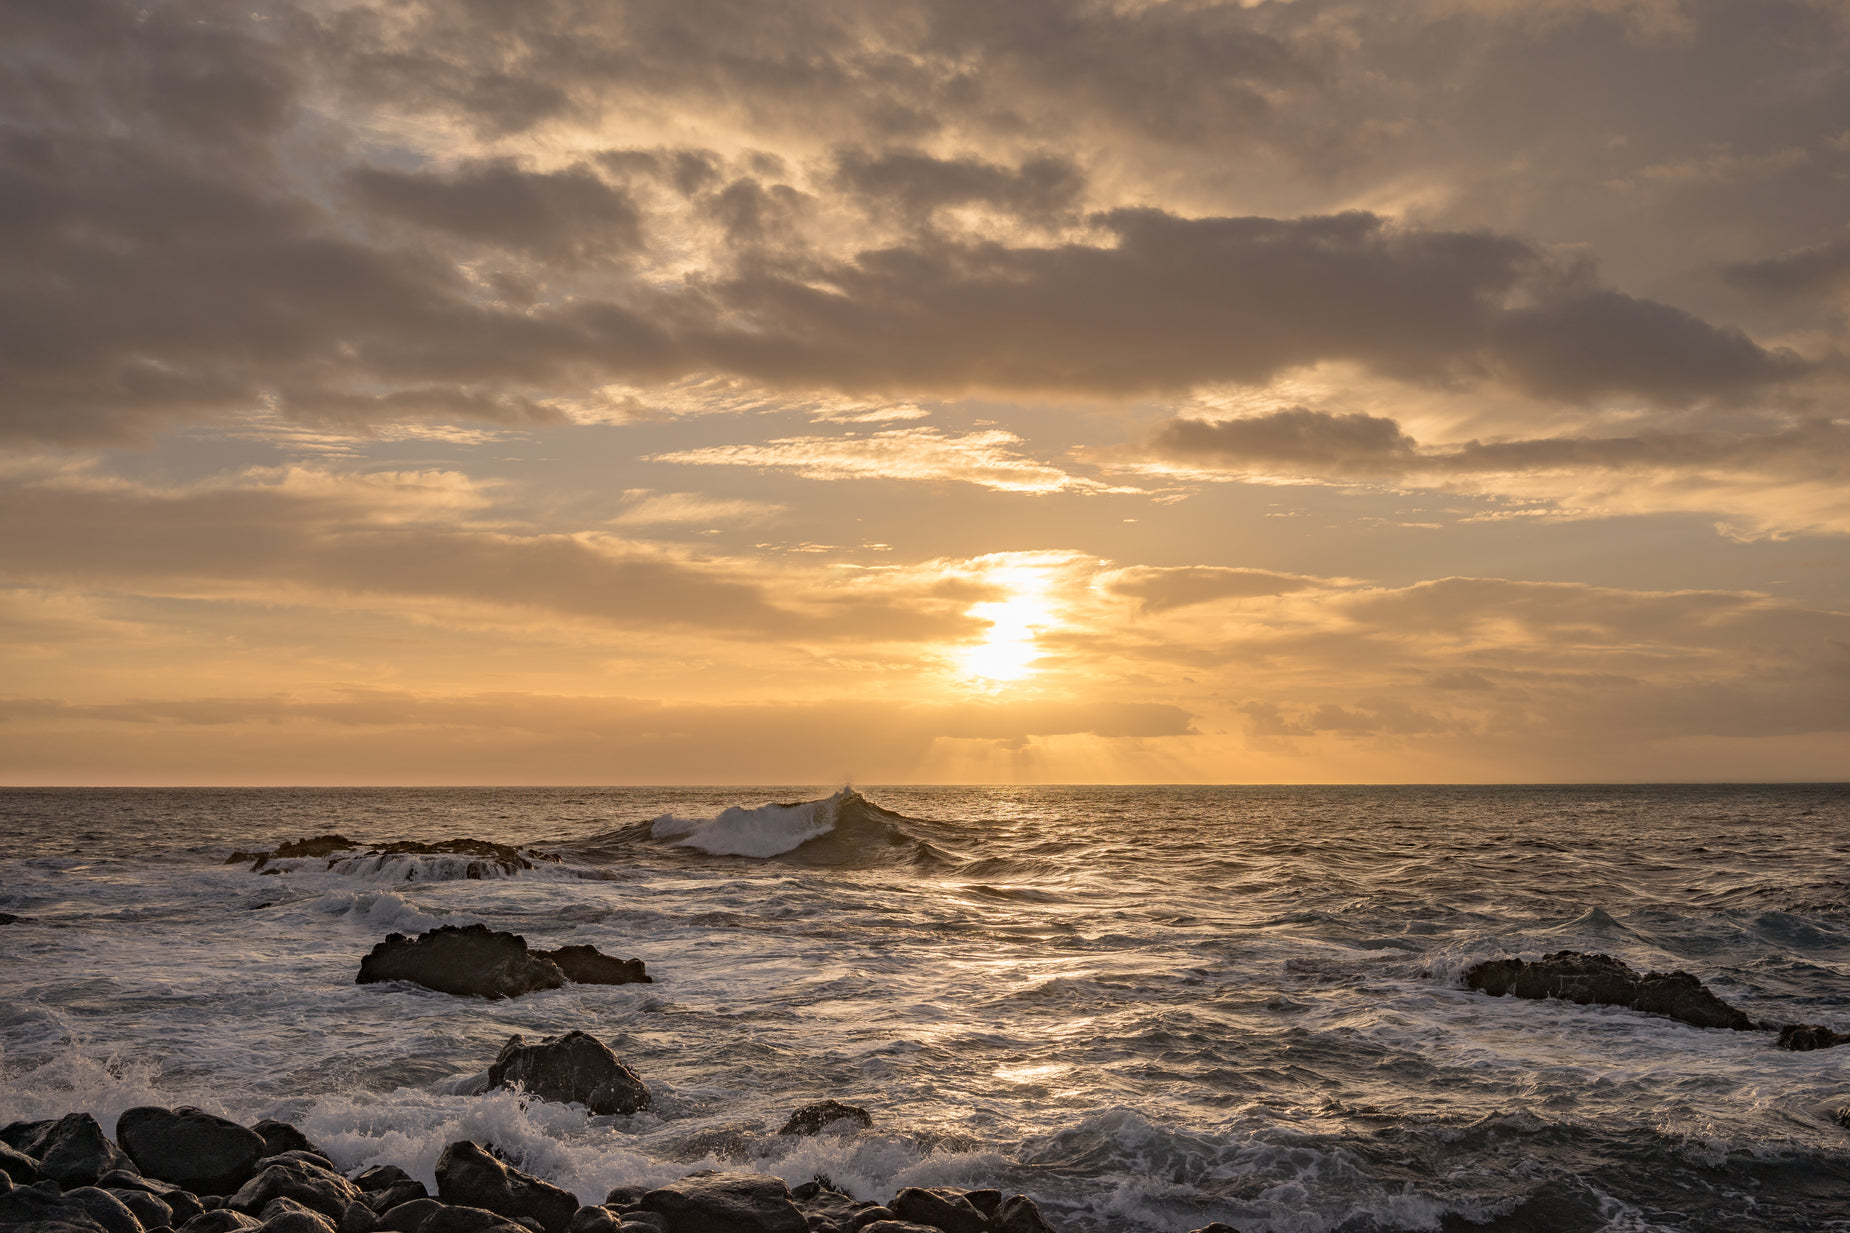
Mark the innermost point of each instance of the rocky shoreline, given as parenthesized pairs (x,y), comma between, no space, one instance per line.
(189,1171)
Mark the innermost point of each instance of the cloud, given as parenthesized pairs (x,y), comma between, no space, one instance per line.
(982,458)
(644,508)
(1161,589)
(917,185)
(1808,272)
(559,215)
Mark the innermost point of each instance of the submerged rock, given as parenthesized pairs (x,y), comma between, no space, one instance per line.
(1593,979)
(469,1176)
(190,1147)
(7,918)
(727,1203)
(810,1119)
(490,858)
(468,960)
(586,965)
(1804,1037)
(575,1068)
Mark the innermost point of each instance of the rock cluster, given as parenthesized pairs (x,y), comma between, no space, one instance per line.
(490,857)
(191,1172)
(476,961)
(1588,978)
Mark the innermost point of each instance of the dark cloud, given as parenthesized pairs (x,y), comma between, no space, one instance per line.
(1160,589)
(916,184)
(1808,272)
(1299,437)
(559,214)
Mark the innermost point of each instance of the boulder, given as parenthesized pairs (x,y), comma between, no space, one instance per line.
(396,1195)
(279,1137)
(359,1218)
(940,1208)
(184,1203)
(104,1208)
(72,1151)
(586,965)
(593,1219)
(42,1205)
(1018,1214)
(467,960)
(1804,1037)
(464,1219)
(319,1190)
(152,1212)
(867,1216)
(810,1119)
(190,1148)
(381,1177)
(727,1203)
(897,1226)
(986,1201)
(643,1222)
(625,1198)
(221,1220)
(469,1176)
(408,1216)
(1593,979)
(575,1068)
(285,1215)
(16,1165)
(1216,1227)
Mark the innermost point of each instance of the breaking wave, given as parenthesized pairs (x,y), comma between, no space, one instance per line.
(843,829)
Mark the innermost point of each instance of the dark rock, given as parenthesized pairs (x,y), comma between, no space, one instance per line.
(867,1216)
(314,1160)
(939,1208)
(152,1212)
(18,1166)
(105,1209)
(828,1205)
(897,1226)
(586,965)
(985,1201)
(395,1195)
(1018,1214)
(408,1216)
(593,1219)
(72,1151)
(727,1203)
(190,1148)
(380,1177)
(42,1205)
(279,1137)
(303,1219)
(320,1190)
(467,1174)
(644,1222)
(465,1219)
(1804,1037)
(624,1198)
(7,918)
(1216,1227)
(1593,979)
(812,1118)
(573,1068)
(224,1220)
(359,1218)
(467,960)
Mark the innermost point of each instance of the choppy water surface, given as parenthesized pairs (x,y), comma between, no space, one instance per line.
(1148,1008)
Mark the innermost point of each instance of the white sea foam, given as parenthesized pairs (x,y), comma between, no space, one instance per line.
(379,910)
(768,830)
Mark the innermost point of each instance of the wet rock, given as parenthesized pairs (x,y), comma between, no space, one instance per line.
(280,1137)
(190,1147)
(105,1209)
(593,1219)
(395,1195)
(320,1190)
(985,1201)
(150,1211)
(867,1216)
(810,1119)
(184,1204)
(1804,1037)
(7,918)
(575,1068)
(1018,1214)
(624,1198)
(408,1216)
(285,1215)
(586,965)
(1593,979)
(467,960)
(465,1219)
(380,1177)
(643,1222)
(220,1220)
(941,1209)
(468,1175)
(359,1218)
(727,1203)
(42,1205)
(72,1151)
(17,1166)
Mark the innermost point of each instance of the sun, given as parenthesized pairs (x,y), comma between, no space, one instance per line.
(1008,652)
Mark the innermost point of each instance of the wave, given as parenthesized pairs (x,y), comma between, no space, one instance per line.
(845,829)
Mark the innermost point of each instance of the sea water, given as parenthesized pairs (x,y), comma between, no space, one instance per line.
(1147,1008)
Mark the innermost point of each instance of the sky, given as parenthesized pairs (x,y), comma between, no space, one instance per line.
(809,391)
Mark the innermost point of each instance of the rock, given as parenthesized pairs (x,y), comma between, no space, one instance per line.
(867,1216)
(897,1226)
(1018,1214)
(72,1151)
(7,918)
(190,1148)
(941,1209)
(586,965)
(1216,1227)
(41,1205)
(285,1215)
(17,1166)
(643,1222)
(1593,979)
(151,1212)
(280,1137)
(592,1219)
(396,1195)
(985,1201)
(575,1068)
(468,1175)
(624,1198)
(105,1209)
(1804,1037)
(313,1159)
(222,1220)
(465,1219)
(320,1190)
(810,1119)
(408,1216)
(727,1203)
(381,1177)
(360,1218)
(467,960)
(184,1203)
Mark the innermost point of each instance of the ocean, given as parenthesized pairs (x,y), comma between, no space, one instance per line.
(1147,1008)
